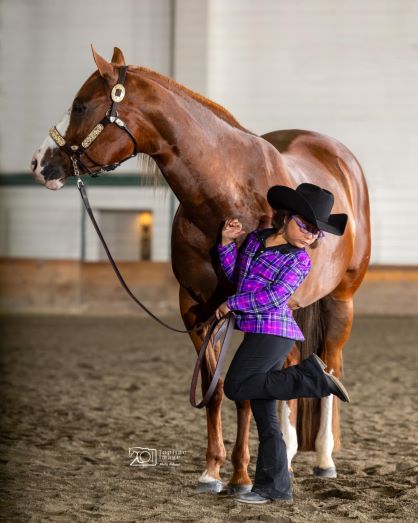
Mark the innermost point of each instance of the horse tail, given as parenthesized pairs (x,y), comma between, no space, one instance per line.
(311,320)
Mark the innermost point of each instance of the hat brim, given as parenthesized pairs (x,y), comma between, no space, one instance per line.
(335,225)
(282,197)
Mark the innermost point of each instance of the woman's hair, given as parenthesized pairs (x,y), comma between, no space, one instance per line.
(277,222)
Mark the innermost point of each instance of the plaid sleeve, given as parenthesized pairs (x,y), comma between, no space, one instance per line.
(228,257)
(277,293)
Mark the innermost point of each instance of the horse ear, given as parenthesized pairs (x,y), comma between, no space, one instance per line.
(105,68)
(118,58)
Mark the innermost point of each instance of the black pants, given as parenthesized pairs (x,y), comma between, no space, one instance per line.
(256,374)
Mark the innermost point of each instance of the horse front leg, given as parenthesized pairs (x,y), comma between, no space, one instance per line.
(338,321)
(240,481)
(210,479)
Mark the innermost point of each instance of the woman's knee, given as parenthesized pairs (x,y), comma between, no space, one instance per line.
(231,389)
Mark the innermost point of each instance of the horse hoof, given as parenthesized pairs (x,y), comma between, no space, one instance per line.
(232,490)
(330,472)
(210,486)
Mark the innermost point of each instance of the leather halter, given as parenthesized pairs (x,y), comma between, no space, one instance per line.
(74,152)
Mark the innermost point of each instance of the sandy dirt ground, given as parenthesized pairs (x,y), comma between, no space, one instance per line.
(77,393)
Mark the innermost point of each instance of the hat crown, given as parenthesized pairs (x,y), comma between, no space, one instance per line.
(310,201)
(320,200)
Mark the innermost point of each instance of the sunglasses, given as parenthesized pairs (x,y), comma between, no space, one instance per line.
(308,229)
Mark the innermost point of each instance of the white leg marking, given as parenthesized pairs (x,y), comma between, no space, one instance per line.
(206,478)
(324,443)
(289,432)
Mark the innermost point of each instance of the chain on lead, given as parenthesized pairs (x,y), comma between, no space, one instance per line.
(76,171)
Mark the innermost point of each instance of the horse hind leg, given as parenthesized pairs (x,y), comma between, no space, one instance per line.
(324,442)
(288,417)
(339,317)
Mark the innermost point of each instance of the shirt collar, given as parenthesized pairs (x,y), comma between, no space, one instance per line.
(284,247)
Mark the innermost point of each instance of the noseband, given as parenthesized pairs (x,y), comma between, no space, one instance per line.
(74,152)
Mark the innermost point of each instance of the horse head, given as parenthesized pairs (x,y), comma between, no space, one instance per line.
(84,141)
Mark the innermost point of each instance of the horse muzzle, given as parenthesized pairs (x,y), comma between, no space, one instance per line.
(52,175)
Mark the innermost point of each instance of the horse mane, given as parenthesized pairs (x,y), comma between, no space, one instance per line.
(146,164)
(172,85)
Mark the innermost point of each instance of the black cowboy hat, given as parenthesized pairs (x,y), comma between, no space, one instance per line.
(310,201)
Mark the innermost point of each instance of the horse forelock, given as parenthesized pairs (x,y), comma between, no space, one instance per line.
(95,88)
(174,86)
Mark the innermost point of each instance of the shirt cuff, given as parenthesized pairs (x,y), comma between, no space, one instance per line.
(226,248)
(231,303)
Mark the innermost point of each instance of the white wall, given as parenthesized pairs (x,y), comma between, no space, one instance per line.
(348,69)
(40,223)
(37,223)
(45,57)
(191,44)
(133,199)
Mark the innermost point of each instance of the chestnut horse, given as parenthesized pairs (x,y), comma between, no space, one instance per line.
(218,169)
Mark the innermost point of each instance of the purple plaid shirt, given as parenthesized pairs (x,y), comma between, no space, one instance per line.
(265,278)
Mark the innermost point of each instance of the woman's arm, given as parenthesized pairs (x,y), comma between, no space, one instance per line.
(227,249)
(228,255)
(277,293)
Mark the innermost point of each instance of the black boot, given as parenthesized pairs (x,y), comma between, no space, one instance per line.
(336,387)
(334,384)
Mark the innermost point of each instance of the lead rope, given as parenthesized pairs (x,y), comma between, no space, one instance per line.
(227,322)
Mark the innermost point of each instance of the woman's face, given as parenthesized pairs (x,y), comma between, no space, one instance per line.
(296,235)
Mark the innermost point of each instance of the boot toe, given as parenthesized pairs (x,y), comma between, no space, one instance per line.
(336,387)
(252,497)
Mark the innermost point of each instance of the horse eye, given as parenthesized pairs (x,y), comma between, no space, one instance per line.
(78,106)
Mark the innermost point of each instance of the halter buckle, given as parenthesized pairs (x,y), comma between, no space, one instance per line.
(118,93)
(111,118)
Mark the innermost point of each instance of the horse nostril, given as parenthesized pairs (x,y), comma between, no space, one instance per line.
(52,172)
(34,164)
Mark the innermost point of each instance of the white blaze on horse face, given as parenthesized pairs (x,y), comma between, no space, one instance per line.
(289,432)
(49,144)
(324,443)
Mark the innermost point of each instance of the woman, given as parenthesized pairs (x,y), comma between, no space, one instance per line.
(270,266)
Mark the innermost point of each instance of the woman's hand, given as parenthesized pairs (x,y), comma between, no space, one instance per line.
(293,304)
(231,230)
(222,310)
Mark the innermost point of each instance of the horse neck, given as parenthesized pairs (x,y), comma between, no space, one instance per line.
(204,154)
